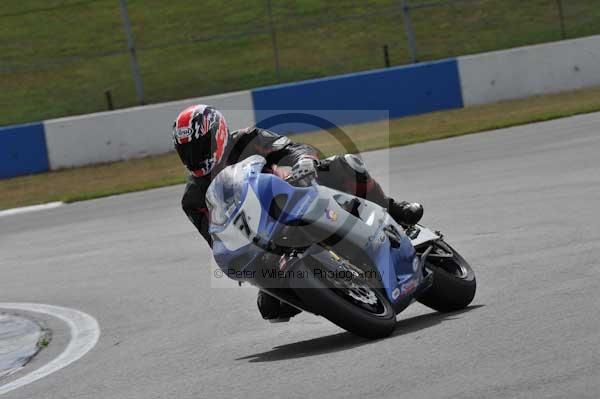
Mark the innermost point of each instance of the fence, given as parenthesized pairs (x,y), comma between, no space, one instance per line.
(344,99)
(75,56)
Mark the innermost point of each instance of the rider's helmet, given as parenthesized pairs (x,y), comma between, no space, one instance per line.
(200,136)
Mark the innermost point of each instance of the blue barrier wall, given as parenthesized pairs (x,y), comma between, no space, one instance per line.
(23,150)
(402,91)
(339,100)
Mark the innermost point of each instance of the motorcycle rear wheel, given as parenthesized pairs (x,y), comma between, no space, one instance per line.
(362,309)
(454,283)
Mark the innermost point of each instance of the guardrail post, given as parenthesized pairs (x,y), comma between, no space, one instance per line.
(386,56)
(135,69)
(410,34)
(109,101)
(274,41)
(561,15)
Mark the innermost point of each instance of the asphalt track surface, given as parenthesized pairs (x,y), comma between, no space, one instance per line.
(521,204)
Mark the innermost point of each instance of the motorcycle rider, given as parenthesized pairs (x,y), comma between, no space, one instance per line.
(205,146)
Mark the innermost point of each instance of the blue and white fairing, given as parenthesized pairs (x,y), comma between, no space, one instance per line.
(242,224)
(239,199)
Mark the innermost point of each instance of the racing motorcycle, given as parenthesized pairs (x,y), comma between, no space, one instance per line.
(328,252)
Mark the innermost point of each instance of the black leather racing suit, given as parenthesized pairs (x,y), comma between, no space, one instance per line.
(343,172)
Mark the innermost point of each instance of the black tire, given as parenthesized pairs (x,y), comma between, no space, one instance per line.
(322,299)
(454,283)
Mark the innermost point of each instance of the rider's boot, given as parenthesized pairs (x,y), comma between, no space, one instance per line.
(273,310)
(405,213)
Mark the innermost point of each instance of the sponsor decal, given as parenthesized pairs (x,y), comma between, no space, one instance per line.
(395,293)
(331,215)
(183,135)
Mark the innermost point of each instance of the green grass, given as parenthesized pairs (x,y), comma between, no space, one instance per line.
(43,343)
(59,61)
(120,177)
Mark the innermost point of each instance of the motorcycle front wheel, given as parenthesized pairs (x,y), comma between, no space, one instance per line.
(454,283)
(358,306)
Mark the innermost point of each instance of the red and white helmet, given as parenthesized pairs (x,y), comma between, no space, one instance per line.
(200,136)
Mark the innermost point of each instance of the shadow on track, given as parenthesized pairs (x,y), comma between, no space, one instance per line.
(345,340)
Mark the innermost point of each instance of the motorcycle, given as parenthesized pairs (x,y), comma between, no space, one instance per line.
(328,252)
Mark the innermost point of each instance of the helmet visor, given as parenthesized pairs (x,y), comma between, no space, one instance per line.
(197,156)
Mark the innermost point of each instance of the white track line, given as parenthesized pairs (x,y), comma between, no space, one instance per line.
(85,333)
(33,208)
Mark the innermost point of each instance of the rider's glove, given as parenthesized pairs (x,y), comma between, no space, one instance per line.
(305,167)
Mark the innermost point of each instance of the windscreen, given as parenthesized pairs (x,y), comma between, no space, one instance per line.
(226,191)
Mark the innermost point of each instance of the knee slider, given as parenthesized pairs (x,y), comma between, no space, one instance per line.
(355,163)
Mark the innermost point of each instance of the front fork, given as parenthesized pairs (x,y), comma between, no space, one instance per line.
(424,255)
